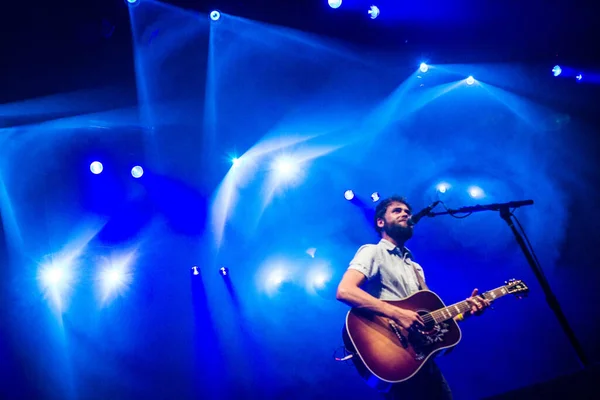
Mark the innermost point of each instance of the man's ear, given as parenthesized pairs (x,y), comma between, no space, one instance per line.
(380,222)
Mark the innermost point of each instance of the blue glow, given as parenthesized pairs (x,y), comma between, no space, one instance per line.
(579,77)
(556,71)
(96,167)
(132,1)
(137,171)
(423,67)
(215,15)
(195,208)
(334,3)
(373,12)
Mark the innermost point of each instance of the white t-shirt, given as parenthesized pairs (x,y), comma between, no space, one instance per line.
(389,270)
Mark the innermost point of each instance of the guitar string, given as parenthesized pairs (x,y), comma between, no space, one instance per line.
(430,317)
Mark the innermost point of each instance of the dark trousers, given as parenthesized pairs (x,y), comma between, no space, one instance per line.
(428,383)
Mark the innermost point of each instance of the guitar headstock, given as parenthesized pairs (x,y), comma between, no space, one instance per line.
(517,287)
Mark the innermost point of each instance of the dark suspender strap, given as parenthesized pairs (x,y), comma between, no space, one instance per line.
(422,285)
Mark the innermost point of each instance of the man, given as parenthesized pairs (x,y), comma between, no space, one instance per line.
(386,271)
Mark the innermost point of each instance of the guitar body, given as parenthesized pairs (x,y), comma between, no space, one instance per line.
(386,354)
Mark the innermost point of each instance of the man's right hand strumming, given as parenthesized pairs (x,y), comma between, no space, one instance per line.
(406,318)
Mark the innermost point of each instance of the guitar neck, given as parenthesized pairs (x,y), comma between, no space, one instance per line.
(446,313)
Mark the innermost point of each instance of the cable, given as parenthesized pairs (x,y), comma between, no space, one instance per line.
(346,355)
(528,244)
(450,213)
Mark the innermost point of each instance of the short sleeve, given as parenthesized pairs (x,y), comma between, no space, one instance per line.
(364,261)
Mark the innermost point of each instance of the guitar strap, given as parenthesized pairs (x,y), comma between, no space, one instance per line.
(422,284)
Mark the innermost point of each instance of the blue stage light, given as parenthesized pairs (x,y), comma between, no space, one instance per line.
(556,71)
(96,167)
(137,171)
(374,12)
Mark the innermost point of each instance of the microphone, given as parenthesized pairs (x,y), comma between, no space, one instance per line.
(415,218)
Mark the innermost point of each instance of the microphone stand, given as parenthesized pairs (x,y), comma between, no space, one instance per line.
(551,299)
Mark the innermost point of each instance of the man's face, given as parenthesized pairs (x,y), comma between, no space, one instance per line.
(395,221)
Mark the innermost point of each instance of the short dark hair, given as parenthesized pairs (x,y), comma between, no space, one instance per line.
(383,205)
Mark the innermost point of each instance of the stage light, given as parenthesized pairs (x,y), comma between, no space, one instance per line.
(235,161)
(137,171)
(442,187)
(115,277)
(285,168)
(96,167)
(374,12)
(53,276)
(224,271)
(579,77)
(215,15)
(556,71)
(348,195)
(375,197)
(56,280)
(276,277)
(470,80)
(476,192)
(132,1)
(423,67)
(334,3)
(195,270)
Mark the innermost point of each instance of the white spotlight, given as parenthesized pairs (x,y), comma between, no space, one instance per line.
(334,3)
(442,187)
(96,167)
(215,15)
(56,280)
(423,67)
(470,80)
(375,197)
(285,168)
(137,171)
(348,195)
(114,279)
(374,12)
(53,276)
(476,192)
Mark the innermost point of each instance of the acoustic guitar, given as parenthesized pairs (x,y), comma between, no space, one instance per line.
(385,353)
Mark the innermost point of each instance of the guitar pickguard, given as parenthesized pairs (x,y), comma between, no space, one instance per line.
(421,340)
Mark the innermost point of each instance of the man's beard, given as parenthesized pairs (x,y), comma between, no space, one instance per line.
(398,232)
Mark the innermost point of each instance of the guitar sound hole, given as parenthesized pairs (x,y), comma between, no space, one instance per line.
(429,325)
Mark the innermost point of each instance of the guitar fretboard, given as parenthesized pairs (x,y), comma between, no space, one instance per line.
(446,313)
